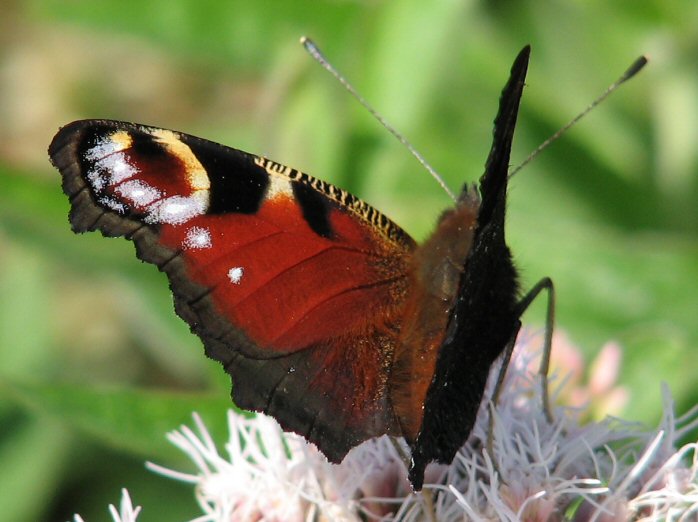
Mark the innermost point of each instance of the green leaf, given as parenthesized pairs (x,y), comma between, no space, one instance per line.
(132,420)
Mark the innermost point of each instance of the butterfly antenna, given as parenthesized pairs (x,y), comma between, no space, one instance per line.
(635,68)
(315,52)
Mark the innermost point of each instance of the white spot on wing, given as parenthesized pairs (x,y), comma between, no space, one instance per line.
(110,165)
(176,210)
(96,180)
(235,275)
(197,238)
(110,170)
(112,204)
(109,144)
(139,193)
(120,168)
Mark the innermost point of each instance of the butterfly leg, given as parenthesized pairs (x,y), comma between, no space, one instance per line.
(498,387)
(544,284)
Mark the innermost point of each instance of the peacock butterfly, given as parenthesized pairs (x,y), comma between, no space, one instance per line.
(324,312)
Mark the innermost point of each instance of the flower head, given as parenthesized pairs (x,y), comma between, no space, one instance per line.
(591,388)
(538,470)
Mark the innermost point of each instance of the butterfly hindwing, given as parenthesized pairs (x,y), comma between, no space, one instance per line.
(292,283)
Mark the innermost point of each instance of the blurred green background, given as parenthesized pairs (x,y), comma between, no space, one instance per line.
(94,365)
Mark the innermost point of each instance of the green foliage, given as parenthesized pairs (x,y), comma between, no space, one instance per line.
(95,367)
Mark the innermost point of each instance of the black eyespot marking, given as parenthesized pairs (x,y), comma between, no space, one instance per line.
(237,183)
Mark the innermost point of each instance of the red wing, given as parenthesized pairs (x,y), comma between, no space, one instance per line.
(295,286)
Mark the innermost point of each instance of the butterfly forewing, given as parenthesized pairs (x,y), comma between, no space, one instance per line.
(294,285)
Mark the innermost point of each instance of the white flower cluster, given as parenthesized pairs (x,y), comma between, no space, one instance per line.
(601,471)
